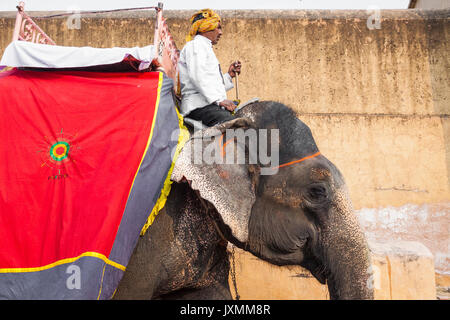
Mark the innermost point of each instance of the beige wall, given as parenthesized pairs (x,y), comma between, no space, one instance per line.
(432,4)
(377,100)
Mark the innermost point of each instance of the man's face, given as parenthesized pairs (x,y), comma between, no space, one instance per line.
(213,35)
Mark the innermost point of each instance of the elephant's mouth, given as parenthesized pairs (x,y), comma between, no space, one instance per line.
(317,269)
(324,276)
(320,274)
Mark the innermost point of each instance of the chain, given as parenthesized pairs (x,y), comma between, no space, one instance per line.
(233,265)
(233,272)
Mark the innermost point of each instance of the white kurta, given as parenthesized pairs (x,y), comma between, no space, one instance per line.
(201,79)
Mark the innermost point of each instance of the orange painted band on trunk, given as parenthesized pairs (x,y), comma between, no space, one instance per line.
(297,161)
(223,145)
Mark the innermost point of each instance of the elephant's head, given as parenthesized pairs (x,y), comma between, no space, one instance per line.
(297,214)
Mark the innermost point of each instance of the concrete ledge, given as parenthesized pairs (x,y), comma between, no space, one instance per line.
(403,270)
(425,223)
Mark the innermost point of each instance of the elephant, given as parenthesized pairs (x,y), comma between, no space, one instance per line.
(301,215)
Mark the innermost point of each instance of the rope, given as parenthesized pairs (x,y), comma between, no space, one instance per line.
(92,12)
(233,273)
(299,160)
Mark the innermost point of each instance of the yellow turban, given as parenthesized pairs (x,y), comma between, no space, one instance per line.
(202,21)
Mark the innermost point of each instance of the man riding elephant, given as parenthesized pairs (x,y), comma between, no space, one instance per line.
(300,214)
(203,86)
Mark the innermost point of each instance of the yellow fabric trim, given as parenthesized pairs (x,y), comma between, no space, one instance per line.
(101,283)
(114,293)
(64,261)
(182,138)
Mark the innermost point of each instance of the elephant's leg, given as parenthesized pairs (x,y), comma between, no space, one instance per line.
(181,251)
(211,280)
(147,266)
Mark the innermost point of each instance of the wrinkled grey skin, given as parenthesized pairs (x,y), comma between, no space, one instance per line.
(300,216)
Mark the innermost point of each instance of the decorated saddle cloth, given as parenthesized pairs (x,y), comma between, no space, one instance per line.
(85,161)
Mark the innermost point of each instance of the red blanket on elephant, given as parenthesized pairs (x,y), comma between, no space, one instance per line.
(84,157)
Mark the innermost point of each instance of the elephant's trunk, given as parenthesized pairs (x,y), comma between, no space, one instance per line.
(346,252)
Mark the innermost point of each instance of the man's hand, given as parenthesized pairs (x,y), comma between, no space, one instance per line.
(234,68)
(228,104)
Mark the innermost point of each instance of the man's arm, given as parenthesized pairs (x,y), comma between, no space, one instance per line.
(235,68)
(228,82)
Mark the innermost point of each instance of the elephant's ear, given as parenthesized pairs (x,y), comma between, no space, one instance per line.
(227,185)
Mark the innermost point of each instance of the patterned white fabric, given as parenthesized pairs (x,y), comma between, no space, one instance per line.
(35,55)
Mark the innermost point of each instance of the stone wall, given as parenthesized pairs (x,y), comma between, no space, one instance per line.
(402,270)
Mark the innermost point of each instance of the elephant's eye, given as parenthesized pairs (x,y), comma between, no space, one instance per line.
(317,193)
